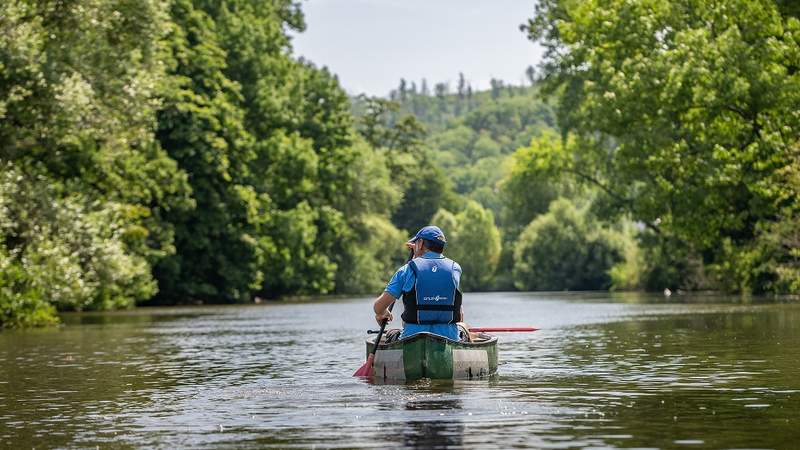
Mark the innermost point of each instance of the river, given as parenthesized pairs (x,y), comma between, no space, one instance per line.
(604,371)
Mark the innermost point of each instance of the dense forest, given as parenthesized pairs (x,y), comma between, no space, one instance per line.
(177,152)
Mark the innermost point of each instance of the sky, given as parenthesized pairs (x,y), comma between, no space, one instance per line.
(371,44)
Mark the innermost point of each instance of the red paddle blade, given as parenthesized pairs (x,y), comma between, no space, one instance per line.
(503,330)
(366,369)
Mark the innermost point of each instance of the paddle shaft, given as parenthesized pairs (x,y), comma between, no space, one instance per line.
(385,321)
(380,332)
(502,330)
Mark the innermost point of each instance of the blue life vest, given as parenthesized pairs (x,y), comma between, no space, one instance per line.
(434,303)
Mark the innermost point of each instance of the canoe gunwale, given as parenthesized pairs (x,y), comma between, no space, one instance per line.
(490,342)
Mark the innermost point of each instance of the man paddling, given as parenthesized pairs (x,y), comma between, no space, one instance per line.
(428,285)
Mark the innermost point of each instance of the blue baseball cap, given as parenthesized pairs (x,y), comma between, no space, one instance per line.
(430,233)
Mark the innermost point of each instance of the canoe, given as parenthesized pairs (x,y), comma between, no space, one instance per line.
(426,355)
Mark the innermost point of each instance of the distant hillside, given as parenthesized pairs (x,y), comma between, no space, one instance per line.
(470,134)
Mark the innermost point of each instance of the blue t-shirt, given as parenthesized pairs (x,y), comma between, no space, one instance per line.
(403,281)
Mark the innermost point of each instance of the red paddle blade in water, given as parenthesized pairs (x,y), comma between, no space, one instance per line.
(366,369)
(503,330)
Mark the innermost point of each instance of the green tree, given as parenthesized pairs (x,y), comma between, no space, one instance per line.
(202,128)
(474,242)
(85,185)
(366,248)
(277,180)
(528,189)
(375,250)
(497,87)
(425,187)
(684,117)
(563,250)
(67,251)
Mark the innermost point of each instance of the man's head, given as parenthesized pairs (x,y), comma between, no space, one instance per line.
(427,238)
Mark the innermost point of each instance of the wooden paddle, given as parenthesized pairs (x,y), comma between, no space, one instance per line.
(366,369)
(502,330)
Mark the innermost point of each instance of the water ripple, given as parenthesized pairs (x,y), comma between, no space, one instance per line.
(602,373)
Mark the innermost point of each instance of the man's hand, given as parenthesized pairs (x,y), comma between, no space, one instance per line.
(386,314)
(381,307)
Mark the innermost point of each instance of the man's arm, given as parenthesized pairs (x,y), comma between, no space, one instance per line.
(393,291)
(381,307)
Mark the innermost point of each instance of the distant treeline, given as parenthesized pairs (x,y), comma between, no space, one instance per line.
(510,226)
(176,152)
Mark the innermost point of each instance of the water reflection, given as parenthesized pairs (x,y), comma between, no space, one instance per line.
(714,381)
(603,372)
(444,431)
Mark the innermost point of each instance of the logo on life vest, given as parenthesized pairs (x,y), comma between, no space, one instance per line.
(435,299)
(434,268)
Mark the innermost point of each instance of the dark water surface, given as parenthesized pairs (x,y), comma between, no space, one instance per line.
(604,372)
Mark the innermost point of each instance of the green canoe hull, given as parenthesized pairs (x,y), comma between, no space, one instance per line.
(426,355)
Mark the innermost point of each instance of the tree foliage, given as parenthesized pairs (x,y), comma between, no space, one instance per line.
(201,126)
(564,250)
(469,134)
(426,187)
(474,242)
(281,197)
(684,114)
(178,150)
(528,188)
(84,184)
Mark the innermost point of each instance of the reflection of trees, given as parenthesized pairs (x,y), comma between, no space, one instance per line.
(73,384)
(721,378)
(437,431)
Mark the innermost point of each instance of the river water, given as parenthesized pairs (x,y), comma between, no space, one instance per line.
(625,371)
